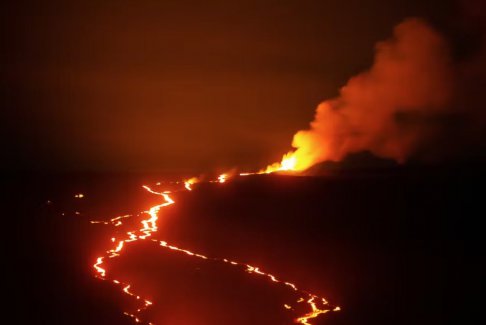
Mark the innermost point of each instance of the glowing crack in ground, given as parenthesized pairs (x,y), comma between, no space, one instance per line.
(316,305)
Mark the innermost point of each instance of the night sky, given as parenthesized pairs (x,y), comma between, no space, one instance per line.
(182,85)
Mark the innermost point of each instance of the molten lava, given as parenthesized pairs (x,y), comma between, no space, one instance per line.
(316,305)
(191,181)
(288,163)
(222,178)
(291,162)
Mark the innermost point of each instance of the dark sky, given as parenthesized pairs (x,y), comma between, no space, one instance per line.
(178,85)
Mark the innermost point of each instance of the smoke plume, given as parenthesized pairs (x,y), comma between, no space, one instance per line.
(397,109)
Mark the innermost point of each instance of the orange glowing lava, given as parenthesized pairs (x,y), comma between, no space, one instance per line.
(316,305)
(288,163)
(222,178)
(292,161)
(191,181)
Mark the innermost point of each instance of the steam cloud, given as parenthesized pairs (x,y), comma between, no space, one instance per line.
(402,107)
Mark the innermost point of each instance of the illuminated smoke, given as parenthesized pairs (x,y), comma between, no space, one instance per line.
(387,110)
(414,102)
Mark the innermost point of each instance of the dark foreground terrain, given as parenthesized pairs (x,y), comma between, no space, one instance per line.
(398,246)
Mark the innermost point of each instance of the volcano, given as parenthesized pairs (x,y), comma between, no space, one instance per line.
(400,246)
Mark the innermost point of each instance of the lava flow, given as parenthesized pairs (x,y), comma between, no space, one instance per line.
(289,163)
(316,305)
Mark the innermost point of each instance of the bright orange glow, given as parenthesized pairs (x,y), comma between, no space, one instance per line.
(292,161)
(115,221)
(149,227)
(188,183)
(288,163)
(296,161)
(315,312)
(101,271)
(222,178)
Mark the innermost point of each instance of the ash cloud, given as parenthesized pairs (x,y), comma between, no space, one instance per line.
(415,102)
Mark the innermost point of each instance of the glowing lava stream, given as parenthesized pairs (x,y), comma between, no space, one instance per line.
(316,304)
